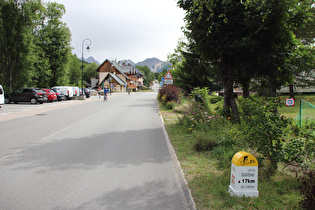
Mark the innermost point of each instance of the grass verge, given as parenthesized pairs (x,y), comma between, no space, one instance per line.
(208,174)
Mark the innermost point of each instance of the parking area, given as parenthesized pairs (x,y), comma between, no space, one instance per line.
(12,111)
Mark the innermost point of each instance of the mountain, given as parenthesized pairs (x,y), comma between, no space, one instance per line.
(154,64)
(91,60)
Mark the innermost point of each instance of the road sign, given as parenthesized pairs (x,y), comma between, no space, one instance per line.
(168,75)
(168,79)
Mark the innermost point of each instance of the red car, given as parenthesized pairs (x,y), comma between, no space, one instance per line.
(51,95)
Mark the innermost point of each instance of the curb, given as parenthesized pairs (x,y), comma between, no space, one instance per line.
(183,183)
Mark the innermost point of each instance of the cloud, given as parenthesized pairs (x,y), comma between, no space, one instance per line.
(124,29)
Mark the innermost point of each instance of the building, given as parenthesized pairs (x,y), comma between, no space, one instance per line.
(119,76)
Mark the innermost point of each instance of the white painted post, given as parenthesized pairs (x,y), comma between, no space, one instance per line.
(244,175)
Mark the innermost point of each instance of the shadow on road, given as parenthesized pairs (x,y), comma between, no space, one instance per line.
(116,150)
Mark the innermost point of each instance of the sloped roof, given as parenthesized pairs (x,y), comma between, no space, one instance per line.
(115,77)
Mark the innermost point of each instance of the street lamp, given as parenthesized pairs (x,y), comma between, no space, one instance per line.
(88,49)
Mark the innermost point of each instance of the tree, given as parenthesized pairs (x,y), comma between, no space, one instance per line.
(74,70)
(56,43)
(15,44)
(243,40)
(89,72)
(148,75)
(34,44)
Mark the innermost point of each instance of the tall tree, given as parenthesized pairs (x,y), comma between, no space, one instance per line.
(243,39)
(56,39)
(15,45)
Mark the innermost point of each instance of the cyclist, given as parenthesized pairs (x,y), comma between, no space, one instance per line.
(105,93)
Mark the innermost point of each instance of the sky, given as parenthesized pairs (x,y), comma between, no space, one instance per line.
(124,29)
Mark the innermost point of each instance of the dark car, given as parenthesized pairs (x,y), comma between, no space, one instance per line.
(87,92)
(60,95)
(28,94)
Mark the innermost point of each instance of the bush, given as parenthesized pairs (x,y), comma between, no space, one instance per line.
(215,99)
(205,140)
(204,94)
(308,190)
(170,105)
(263,129)
(169,93)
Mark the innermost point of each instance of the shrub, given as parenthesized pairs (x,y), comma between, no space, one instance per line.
(263,128)
(170,105)
(307,189)
(169,93)
(204,94)
(215,99)
(205,140)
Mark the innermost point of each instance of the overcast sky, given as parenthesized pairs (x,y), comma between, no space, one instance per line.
(124,29)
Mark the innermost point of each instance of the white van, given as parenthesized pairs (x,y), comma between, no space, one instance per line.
(66,90)
(76,91)
(1,96)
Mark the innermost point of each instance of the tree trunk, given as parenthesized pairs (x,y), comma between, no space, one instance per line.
(291,91)
(245,86)
(272,86)
(229,103)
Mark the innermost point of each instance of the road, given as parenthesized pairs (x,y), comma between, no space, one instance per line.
(89,155)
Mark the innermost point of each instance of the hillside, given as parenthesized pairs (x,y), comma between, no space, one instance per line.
(91,60)
(154,64)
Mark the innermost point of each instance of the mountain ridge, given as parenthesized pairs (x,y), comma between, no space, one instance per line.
(154,64)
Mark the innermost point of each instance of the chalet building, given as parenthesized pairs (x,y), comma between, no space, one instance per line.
(119,76)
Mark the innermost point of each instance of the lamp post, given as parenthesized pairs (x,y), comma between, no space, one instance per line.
(88,49)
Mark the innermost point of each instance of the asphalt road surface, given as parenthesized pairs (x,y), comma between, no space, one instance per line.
(89,155)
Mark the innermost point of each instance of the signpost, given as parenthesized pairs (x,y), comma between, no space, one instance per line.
(244,175)
(168,79)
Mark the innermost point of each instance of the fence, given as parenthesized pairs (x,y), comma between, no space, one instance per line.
(306,113)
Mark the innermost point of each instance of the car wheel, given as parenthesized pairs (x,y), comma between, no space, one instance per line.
(33,100)
(41,102)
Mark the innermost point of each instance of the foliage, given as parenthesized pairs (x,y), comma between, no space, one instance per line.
(245,40)
(148,75)
(35,44)
(204,94)
(170,104)
(207,127)
(300,147)
(215,99)
(208,171)
(262,128)
(308,189)
(169,93)
(194,71)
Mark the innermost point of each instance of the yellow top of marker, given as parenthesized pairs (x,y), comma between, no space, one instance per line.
(244,159)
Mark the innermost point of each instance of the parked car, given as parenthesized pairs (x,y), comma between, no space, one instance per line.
(39,90)
(28,94)
(59,94)
(51,95)
(87,92)
(66,90)
(1,96)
